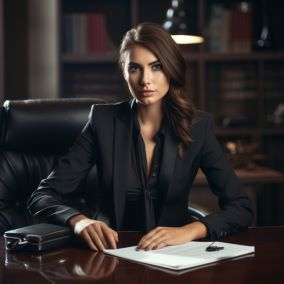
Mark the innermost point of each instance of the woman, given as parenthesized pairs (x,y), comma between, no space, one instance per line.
(147,152)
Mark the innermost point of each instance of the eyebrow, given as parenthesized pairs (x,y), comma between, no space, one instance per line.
(151,63)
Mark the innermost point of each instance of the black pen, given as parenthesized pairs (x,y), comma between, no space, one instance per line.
(213,248)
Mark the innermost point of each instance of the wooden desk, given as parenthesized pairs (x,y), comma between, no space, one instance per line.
(78,265)
(253,181)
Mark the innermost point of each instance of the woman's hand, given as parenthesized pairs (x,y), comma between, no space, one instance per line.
(96,234)
(166,236)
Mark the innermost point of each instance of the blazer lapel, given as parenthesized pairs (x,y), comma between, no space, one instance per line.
(122,139)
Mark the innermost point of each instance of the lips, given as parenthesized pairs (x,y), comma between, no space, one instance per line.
(146,93)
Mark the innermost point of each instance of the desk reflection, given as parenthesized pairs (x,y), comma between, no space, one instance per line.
(63,265)
(80,265)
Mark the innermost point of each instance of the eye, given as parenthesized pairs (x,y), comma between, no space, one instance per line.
(133,68)
(157,67)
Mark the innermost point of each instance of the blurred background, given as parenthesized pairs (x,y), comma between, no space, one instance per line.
(69,48)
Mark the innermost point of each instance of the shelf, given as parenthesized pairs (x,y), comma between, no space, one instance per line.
(260,176)
(190,56)
(224,132)
(223,57)
(109,57)
(273,131)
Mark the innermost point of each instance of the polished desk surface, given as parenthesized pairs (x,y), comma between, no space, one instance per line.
(79,265)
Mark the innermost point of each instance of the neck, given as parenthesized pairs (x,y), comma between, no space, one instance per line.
(150,120)
(150,115)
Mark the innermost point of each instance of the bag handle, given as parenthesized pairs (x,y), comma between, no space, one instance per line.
(13,243)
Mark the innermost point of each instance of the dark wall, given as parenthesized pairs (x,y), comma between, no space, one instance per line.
(1,53)
(16,49)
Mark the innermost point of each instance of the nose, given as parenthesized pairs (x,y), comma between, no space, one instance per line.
(145,77)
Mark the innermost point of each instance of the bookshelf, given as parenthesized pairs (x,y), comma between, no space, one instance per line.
(90,35)
(241,88)
(239,83)
(119,17)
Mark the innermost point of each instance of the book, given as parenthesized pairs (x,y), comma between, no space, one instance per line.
(79,33)
(230,30)
(97,36)
(241,31)
(184,256)
(219,29)
(85,33)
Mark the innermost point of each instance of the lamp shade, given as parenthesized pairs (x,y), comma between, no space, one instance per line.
(177,26)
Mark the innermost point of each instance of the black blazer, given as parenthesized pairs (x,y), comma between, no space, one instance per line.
(105,141)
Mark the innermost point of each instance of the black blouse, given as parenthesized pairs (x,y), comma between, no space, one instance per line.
(142,208)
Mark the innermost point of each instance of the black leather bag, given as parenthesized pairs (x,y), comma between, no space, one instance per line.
(38,237)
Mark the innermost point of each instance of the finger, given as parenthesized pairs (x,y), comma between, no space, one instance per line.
(164,239)
(95,238)
(110,235)
(98,227)
(115,236)
(151,241)
(151,244)
(146,237)
(105,235)
(160,245)
(86,237)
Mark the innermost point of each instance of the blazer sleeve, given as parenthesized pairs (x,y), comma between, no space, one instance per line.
(47,201)
(235,207)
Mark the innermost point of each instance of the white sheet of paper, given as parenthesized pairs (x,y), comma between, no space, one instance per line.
(182,256)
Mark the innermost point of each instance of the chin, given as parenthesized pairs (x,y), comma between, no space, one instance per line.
(145,101)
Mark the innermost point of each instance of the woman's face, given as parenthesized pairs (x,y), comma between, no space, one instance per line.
(144,75)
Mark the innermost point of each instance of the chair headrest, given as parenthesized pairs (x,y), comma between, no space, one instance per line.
(46,126)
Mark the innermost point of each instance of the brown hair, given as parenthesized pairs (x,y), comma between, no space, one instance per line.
(177,106)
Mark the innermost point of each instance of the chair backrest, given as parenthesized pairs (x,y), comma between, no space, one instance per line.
(33,133)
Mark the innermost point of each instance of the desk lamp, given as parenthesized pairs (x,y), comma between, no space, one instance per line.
(176,25)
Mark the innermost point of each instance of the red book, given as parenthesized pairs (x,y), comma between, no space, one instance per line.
(241,31)
(97,38)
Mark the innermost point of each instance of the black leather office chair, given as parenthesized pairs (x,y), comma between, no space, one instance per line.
(33,133)
(195,213)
